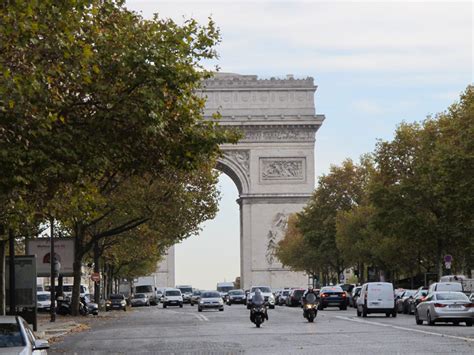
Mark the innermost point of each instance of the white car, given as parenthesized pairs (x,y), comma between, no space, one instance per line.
(210,299)
(172,297)
(16,337)
(376,297)
(43,301)
(266,293)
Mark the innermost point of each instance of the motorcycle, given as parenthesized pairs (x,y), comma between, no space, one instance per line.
(258,314)
(64,306)
(310,308)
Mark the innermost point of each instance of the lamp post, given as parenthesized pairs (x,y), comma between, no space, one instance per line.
(52,260)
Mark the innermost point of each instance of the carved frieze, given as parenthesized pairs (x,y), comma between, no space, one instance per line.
(239,157)
(293,169)
(274,235)
(281,134)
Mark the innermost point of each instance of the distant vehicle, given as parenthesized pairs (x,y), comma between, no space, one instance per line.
(149,291)
(283,297)
(266,293)
(116,301)
(376,297)
(186,291)
(467,283)
(172,297)
(43,301)
(332,296)
(417,298)
(355,295)
(92,307)
(140,299)
(16,337)
(236,296)
(401,303)
(224,287)
(195,297)
(209,300)
(294,297)
(445,286)
(347,288)
(445,306)
(67,290)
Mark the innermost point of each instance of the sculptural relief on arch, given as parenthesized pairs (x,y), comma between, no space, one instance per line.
(272,166)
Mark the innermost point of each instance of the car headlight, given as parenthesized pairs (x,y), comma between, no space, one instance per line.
(201,301)
(221,301)
(123,303)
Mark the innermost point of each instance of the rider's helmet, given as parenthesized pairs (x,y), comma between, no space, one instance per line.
(310,289)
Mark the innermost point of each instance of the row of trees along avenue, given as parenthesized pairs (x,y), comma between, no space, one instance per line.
(399,210)
(101,130)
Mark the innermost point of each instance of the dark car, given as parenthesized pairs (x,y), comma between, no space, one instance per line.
(332,296)
(294,298)
(401,303)
(347,288)
(116,301)
(236,296)
(417,298)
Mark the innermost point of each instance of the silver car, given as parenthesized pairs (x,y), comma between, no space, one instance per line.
(16,337)
(140,299)
(445,306)
(210,299)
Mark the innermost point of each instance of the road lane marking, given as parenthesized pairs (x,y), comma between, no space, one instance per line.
(404,328)
(200,317)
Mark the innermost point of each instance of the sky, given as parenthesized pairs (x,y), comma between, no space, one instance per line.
(375,63)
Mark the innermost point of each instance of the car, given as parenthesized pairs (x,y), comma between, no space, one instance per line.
(172,297)
(195,297)
(355,295)
(294,297)
(92,307)
(471,297)
(445,306)
(140,299)
(266,293)
(16,337)
(418,297)
(186,292)
(211,299)
(332,296)
(376,297)
(149,291)
(283,297)
(347,288)
(43,301)
(445,286)
(401,302)
(116,301)
(236,296)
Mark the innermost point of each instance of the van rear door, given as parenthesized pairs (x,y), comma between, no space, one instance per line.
(380,295)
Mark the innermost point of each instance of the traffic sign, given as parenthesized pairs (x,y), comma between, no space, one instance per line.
(95,276)
(448,259)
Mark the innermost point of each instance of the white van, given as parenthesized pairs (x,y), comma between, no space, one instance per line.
(376,297)
(445,286)
(172,297)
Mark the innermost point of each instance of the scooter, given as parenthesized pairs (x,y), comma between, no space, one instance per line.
(310,308)
(64,306)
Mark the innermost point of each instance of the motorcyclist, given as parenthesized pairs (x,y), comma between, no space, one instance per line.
(307,292)
(258,300)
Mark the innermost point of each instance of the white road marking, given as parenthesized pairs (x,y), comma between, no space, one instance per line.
(201,317)
(404,328)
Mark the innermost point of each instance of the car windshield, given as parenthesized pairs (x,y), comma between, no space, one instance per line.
(186,289)
(225,288)
(10,335)
(262,288)
(446,296)
(43,297)
(116,297)
(298,293)
(236,292)
(285,293)
(331,289)
(173,293)
(143,288)
(140,295)
(196,293)
(211,295)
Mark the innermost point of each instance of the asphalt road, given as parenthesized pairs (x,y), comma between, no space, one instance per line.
(185,331)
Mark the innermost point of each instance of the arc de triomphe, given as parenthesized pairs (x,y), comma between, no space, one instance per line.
(272,166)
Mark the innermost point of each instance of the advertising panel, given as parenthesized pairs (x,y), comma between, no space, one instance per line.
(63,250)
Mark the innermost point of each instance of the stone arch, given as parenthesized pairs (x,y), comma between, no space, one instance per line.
(234,163)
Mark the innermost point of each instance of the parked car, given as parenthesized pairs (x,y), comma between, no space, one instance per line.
(283,297)
(211,299)
(401,303)
(445,306)
(418,297)
(43,301)
(140,299)
(294,297)
(172,297)
(92,307)
(355,296)
(195,297)
(116,301)
(236,296)
(266,293)
(16,337)
(332,296)
(376,297)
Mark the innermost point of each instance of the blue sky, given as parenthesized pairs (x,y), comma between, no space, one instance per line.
(375,63)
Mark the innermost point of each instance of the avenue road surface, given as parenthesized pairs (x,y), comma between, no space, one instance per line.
(156,330)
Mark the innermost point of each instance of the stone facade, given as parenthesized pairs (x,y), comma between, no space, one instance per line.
(272,165)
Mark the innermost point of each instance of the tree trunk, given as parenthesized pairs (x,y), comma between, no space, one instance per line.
(97,270)
(12,286)
(77,269)
(3,245)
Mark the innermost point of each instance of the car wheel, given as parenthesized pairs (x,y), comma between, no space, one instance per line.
(469,323)
(405,310)
(417,318)
(125,309)
(272,306)
(456,323)
(164,305)
(343,308)
(180,305)
(221,309)
(199,309)
(394,313)
(387,314)
(364,312)
(428,317)
(358,312)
